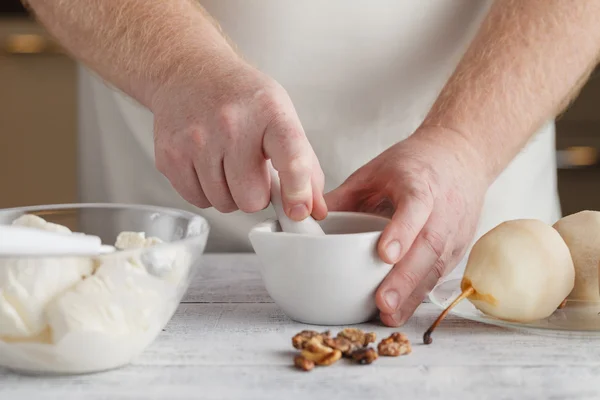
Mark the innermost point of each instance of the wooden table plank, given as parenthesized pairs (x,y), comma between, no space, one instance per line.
(266,383)
(260,334)
(244,351)
(227,348)
(228,278)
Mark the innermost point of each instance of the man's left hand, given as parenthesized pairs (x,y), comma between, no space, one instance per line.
(432,186)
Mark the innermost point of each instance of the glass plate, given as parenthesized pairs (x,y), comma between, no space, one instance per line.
(578,318)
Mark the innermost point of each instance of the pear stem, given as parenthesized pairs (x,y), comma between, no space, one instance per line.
(562,305)
(465,293)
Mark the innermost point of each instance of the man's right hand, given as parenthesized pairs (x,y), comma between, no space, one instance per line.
(216,119)
(214,132)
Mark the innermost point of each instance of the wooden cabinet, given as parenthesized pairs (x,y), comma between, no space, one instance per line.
(38,135)
(578,144)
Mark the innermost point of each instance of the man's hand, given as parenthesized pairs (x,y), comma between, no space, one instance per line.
(213,134)
(217,119)
(434,194)
(526,63)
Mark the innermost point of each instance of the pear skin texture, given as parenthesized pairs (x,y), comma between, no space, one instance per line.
(581,233)
(521,271)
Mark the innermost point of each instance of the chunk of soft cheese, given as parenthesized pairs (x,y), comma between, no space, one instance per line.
(581,232)
(521,271)
(170,264)
(33,221)
(135,240)
(28,284)
(119,299)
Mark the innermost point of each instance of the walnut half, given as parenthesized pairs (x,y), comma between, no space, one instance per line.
(303,364)
(320,354)
(342,344)
(397,344)
(358,336)
(365,356)
(300,339)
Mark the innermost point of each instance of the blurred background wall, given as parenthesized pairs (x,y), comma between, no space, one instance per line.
(38,120)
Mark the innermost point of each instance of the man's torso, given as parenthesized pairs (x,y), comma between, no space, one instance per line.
(362,76)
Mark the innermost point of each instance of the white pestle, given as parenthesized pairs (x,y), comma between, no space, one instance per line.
(307,226)
(19,240)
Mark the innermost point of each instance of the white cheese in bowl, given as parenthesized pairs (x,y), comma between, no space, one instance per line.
(28,285)
(135,240)
(119,299)
(170,264)
(78,315)
(33,221)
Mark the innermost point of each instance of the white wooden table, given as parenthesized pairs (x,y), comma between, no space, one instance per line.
(229,341)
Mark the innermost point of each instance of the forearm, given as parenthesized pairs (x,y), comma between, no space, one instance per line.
(527,62)
(137,45)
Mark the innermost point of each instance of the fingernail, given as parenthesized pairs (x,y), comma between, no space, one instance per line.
(391,298)
(393,251)
(298,212)
(398,318)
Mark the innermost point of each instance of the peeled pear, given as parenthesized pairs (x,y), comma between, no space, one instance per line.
(581,233)
(520,271)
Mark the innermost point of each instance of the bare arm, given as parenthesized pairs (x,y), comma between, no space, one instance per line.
(526,63)
(215,116)
(136,44)
(529,59)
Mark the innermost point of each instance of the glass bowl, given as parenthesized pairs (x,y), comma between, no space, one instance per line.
(73,314)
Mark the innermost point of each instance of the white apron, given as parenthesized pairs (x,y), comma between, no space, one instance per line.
(362,75)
